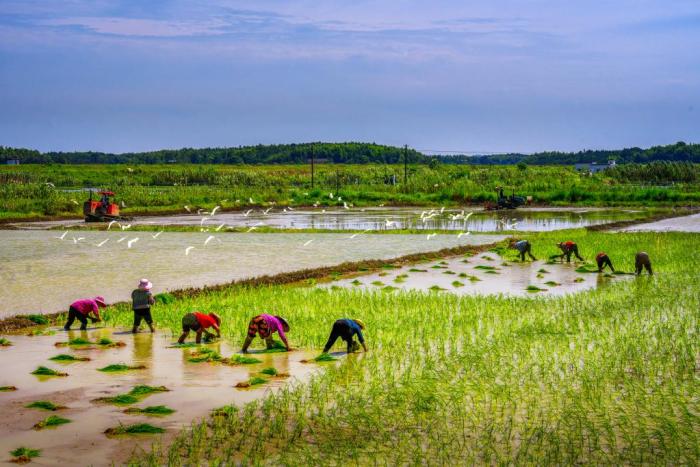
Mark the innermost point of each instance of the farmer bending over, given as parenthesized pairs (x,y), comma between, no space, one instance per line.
(345,329)
(199,322)
(568,248)
(603,260)
(81,310)
(523,246)
(642,261)
(264,326)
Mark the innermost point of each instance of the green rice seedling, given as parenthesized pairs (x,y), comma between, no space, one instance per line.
(552,283)
(277,346)
(107,342)
(271,371)
(204,355)
(137,429)
(378,283)
(45,405)
(79,341)
(44,371)
(116,367)
(336,287)
(417,270)
(153,410)
(449,272)
(466,261)
(389,288)
(242,360)
(356,282)
(165,298)
(436,288)
(485,268)
(255,380)
(542,271)
(437,266)
(505,263)
(491,272)
(400,278)
(184,345)
(23,455)
(8,388)
(389,266)
(534,288)
(579,279)
(325,357)
(487,258)
(4,342)
(66,358)
(463,275)
(585,268)
(51,421)
(540,276)
(382,274)
(457,284)
(145,390)
(121,399)
(38,319)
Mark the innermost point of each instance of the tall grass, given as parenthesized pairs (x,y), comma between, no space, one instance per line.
(606,376)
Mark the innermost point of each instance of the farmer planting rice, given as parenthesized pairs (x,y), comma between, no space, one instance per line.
(523,247)
(82,309)
(568,248)
(265,325)
(642,261)
(142,299)
(603,260)
(199,322)
(346,329)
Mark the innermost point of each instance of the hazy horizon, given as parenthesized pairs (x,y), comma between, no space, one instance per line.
(470,76)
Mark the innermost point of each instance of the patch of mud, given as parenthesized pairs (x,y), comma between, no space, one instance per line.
(484,274)
(195,389)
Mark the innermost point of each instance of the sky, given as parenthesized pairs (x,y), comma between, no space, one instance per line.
(471,76)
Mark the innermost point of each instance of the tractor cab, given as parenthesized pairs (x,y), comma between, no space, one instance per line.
(103,209)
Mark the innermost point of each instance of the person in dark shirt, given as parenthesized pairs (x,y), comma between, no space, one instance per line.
(142,299)
(346,329)
(642,261)
(603,260)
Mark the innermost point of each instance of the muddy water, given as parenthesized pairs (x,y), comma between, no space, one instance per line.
(677,224)
(196,389)
(511,278)
(41,273)
(527,219)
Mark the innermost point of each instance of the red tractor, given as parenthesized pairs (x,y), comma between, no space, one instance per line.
(102,210)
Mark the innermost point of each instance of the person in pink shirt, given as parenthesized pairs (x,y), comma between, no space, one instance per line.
(264,326)
(82,309)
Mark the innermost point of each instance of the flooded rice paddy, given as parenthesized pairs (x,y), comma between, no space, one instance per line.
(677,224)
(525,219)
(194,390)
(484,274)
(44,273)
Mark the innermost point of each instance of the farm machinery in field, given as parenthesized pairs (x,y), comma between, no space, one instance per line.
(506,202)
(103,209)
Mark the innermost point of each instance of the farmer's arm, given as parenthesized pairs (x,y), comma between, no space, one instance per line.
(361,338)
(280,331)
(218,331)
(96,311)
(151,300)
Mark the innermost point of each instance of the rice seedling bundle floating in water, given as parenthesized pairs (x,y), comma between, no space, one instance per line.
(457,284)
(205,355)
(23,455)
(254,381)
(552,283)
(155,410)
(534,288)
(121,367)
(417,270)
(325,357)
(44,371)
(68,358)
(449,272)
(585,268)
(271,371)
(133,396)
(184,345)
(8,388)
(45,405)
(543,271)
(436,288)
(137,429)
(356,282)
(486,268)
(378,283)
(277,346)
(241,360)
(4,342)
(579,279)
(50,422)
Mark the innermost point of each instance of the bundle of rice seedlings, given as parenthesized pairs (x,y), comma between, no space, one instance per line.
(137,429)
(45,405)
(50,422)
(154,410)
(44,371)
(68,358)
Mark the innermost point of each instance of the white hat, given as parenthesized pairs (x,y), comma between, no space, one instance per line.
(145,284)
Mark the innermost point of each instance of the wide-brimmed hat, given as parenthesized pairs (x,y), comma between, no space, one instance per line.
(283,321)
(216,318)
(360,323)
(145,284)
(100,301)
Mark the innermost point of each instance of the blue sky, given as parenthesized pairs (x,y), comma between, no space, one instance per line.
(475,76)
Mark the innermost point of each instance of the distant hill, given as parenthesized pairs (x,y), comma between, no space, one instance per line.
(347,153)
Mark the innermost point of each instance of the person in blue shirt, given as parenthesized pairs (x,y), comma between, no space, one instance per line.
(346,329)
(523,246)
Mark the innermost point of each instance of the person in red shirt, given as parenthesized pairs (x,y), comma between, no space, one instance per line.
(199,322)
(603,260)
(568,248)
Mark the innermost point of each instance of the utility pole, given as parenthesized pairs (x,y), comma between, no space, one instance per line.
(312,166)
(405,164)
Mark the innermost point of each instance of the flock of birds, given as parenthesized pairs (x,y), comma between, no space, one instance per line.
(207,216)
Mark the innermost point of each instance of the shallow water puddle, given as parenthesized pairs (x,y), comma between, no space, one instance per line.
(194,390)
(485,274)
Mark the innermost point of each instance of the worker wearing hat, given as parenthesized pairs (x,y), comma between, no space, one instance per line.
(346,329)
(142,299)
(199,323)
(568,248)
(82,309)
(264,326)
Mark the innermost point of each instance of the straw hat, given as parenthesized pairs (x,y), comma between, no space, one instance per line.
(145,284)
(100,300)
(359,323)
(216,318)
(284,322)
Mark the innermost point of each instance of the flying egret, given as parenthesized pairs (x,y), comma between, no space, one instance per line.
(187,208)
(266,211)
(109,226)
(156,235)
(307,243)
(62,236)
(188,249)
(102,242)
(219,227)
(290,208)
(459,235)
(247,212)
(209,239)
(430,236)
(250,200)
(125,227)
(389,223)
(356,234)
(131,242)
(121,239)
(213,211)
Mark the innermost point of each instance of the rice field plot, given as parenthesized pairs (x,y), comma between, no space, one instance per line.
(604,376)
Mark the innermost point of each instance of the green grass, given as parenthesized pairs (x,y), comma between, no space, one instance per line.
(153,410)
(51,421)
(68,358)
(38,319)
(44,405)
(116,367)
(136,429)
(4,342)
(165,298)
(44,371)
(24,454)
(606,376)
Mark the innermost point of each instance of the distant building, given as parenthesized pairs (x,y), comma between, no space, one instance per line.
(594,167)
(12,162)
